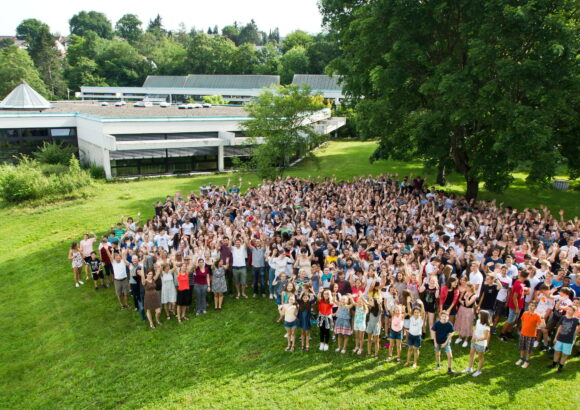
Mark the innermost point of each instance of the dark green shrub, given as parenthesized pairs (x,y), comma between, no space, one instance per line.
(26,181)
(54,153)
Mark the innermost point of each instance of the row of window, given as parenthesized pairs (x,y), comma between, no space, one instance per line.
(16,141)
(165,165)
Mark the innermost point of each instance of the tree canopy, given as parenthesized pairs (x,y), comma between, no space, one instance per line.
(94,21)
(277,116)
(94,57)
(129,27)
(42,50)
(486,86)
(16,66)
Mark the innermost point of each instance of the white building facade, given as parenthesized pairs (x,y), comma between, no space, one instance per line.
(146,145)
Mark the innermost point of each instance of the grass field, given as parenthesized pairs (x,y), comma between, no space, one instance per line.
(66,347)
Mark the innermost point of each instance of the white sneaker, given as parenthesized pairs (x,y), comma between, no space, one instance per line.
(342,351)
(81,282)
(321,348)
(477,373)
(326,347)
(337,349)
(286,336)
(536,344)
(77,285)
(464,344)
(468,370)
(459,340)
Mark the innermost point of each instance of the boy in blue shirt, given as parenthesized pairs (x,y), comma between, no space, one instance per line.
(444,330)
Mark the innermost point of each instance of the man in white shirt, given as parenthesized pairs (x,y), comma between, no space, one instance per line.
(120,264)
(163,240)
(502,295)
(239,255)
(512,270)
(432,266)
(475,277)
(187,227)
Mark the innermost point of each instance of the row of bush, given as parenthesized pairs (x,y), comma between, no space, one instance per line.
(30,179)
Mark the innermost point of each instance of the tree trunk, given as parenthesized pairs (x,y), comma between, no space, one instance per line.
(441,180)
(472,189)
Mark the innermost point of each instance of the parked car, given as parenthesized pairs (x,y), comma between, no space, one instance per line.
(143,104)
(182,106)
(197,106)
(206,105)
(104,104)
(120,103)
(164,105)
(190,106)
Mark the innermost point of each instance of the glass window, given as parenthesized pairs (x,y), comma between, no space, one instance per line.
(60,132)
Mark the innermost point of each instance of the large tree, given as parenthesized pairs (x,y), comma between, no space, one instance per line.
(120,64)
(268,60)
(487,85)
(277,116)
(16,67)
(129,27)
(297,38)
(250,34)
(321,52)
(210,54)
(94,21)
(245,60)
(42,50)
(294,61)
(232,32)
(156,27)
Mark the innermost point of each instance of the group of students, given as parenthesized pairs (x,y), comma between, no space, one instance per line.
(374,257)
(406,323)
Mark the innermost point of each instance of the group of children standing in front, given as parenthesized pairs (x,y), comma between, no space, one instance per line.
(405,324)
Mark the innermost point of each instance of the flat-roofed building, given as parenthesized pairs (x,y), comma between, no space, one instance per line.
(328,87)
(233,88)
(127,140)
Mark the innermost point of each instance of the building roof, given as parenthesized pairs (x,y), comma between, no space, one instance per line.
(128,111)
(165,81)
(227,81)
(24,97)
(318,81)
(219,81)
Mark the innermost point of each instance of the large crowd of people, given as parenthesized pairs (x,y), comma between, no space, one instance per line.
(376,258)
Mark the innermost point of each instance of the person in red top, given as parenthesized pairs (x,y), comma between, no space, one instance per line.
(530,322)
(105,249)
(325,305)
(183,293)
(201,281)
(515,304)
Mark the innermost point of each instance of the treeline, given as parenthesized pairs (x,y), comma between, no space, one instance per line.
(102,54)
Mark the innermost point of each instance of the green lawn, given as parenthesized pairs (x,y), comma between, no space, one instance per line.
(67,347)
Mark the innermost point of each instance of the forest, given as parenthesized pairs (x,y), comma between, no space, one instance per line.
(99,52)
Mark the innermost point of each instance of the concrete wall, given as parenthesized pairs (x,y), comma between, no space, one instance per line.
(95,155)
(170,125)
(37,120)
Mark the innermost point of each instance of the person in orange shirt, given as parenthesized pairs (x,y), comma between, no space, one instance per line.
(530,321)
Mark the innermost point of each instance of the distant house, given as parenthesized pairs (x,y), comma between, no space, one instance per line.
(60,43)
(19,43)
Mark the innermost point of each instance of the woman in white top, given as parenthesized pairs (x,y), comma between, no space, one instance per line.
(414,336)
(479,342)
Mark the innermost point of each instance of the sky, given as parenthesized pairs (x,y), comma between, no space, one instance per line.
(287,15)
